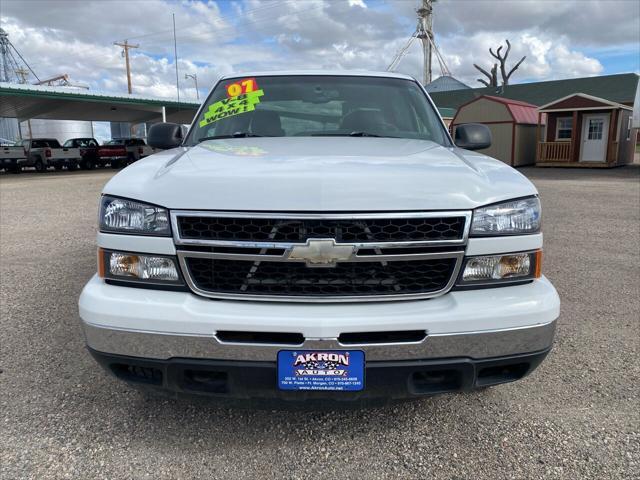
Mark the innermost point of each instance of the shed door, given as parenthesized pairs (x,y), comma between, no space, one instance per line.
(595,132)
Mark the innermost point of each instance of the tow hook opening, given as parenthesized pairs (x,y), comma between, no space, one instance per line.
(137,373)
(501,374)
(209,381)
(434,381)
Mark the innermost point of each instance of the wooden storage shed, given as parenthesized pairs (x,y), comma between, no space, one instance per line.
(513,126)
(586,131)
(447,115)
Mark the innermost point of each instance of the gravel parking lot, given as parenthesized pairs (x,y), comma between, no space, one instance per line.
(577,416)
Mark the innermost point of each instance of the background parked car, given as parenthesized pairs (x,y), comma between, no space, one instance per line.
(88,151)
(47,152)
(12,158)
(121,152)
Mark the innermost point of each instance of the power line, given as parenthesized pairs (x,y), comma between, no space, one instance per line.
(258,21)
(225,17)
(226,31)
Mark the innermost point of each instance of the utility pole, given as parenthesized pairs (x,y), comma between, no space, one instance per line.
(175,55)
(425,34)
(195,79)
(125,52)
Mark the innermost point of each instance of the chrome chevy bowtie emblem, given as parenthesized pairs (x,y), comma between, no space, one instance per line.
(322,252)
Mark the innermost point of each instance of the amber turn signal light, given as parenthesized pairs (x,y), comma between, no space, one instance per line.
(100,263)
(537,273)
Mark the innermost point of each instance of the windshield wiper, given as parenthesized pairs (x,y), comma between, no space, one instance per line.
(363,134)
(229,135)
(351,134)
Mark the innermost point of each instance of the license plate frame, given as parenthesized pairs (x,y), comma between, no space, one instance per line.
(321,370)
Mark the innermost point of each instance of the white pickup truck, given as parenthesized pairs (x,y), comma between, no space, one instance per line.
(43,153)
(12,158)
(319,236)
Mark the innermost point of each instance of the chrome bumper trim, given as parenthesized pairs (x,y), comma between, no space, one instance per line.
(483,344)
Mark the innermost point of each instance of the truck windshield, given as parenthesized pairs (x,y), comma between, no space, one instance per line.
(305,105)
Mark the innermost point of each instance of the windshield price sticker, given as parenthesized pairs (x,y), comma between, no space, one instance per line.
(247,85)
(242,103)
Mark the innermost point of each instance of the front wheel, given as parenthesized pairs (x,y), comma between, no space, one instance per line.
(88,164)
(39,166)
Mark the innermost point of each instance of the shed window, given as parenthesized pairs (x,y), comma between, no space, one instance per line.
(629,129)
(595,129)
(564,128)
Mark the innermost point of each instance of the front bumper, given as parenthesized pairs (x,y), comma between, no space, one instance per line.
(473,324)
(170,340)
(258,380)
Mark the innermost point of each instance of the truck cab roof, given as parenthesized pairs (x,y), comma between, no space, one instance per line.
(328,73)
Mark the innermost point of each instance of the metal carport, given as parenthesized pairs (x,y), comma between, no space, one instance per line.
(34,101)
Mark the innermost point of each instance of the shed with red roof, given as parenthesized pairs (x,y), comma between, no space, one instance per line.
(513,126)
(586,131)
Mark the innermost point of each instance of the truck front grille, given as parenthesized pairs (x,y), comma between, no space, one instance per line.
(279,230)
(313,257)
(295,279)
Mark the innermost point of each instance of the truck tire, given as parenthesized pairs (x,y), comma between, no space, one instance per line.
(115,164)
(72,166)
(88,164)
(39,166)
(15,169)
(130,159)
(57,167)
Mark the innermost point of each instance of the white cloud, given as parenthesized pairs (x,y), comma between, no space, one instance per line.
(573,63)
(537,47)
(357,3)
(65,36)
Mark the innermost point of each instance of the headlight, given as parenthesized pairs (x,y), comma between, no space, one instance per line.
(490,269)
(135,267)
(515,217)
(129,216)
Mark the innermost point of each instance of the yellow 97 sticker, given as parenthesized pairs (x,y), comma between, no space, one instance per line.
(242,97)
(243,86)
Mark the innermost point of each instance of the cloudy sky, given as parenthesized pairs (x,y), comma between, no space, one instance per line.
(561,38)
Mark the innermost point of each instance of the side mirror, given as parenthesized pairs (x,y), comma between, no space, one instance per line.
(165,135)
(473,136)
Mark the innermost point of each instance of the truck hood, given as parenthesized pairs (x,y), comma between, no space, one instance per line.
(319,174)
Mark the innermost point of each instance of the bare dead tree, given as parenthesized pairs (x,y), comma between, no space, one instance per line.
(503,60)
(493,76)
